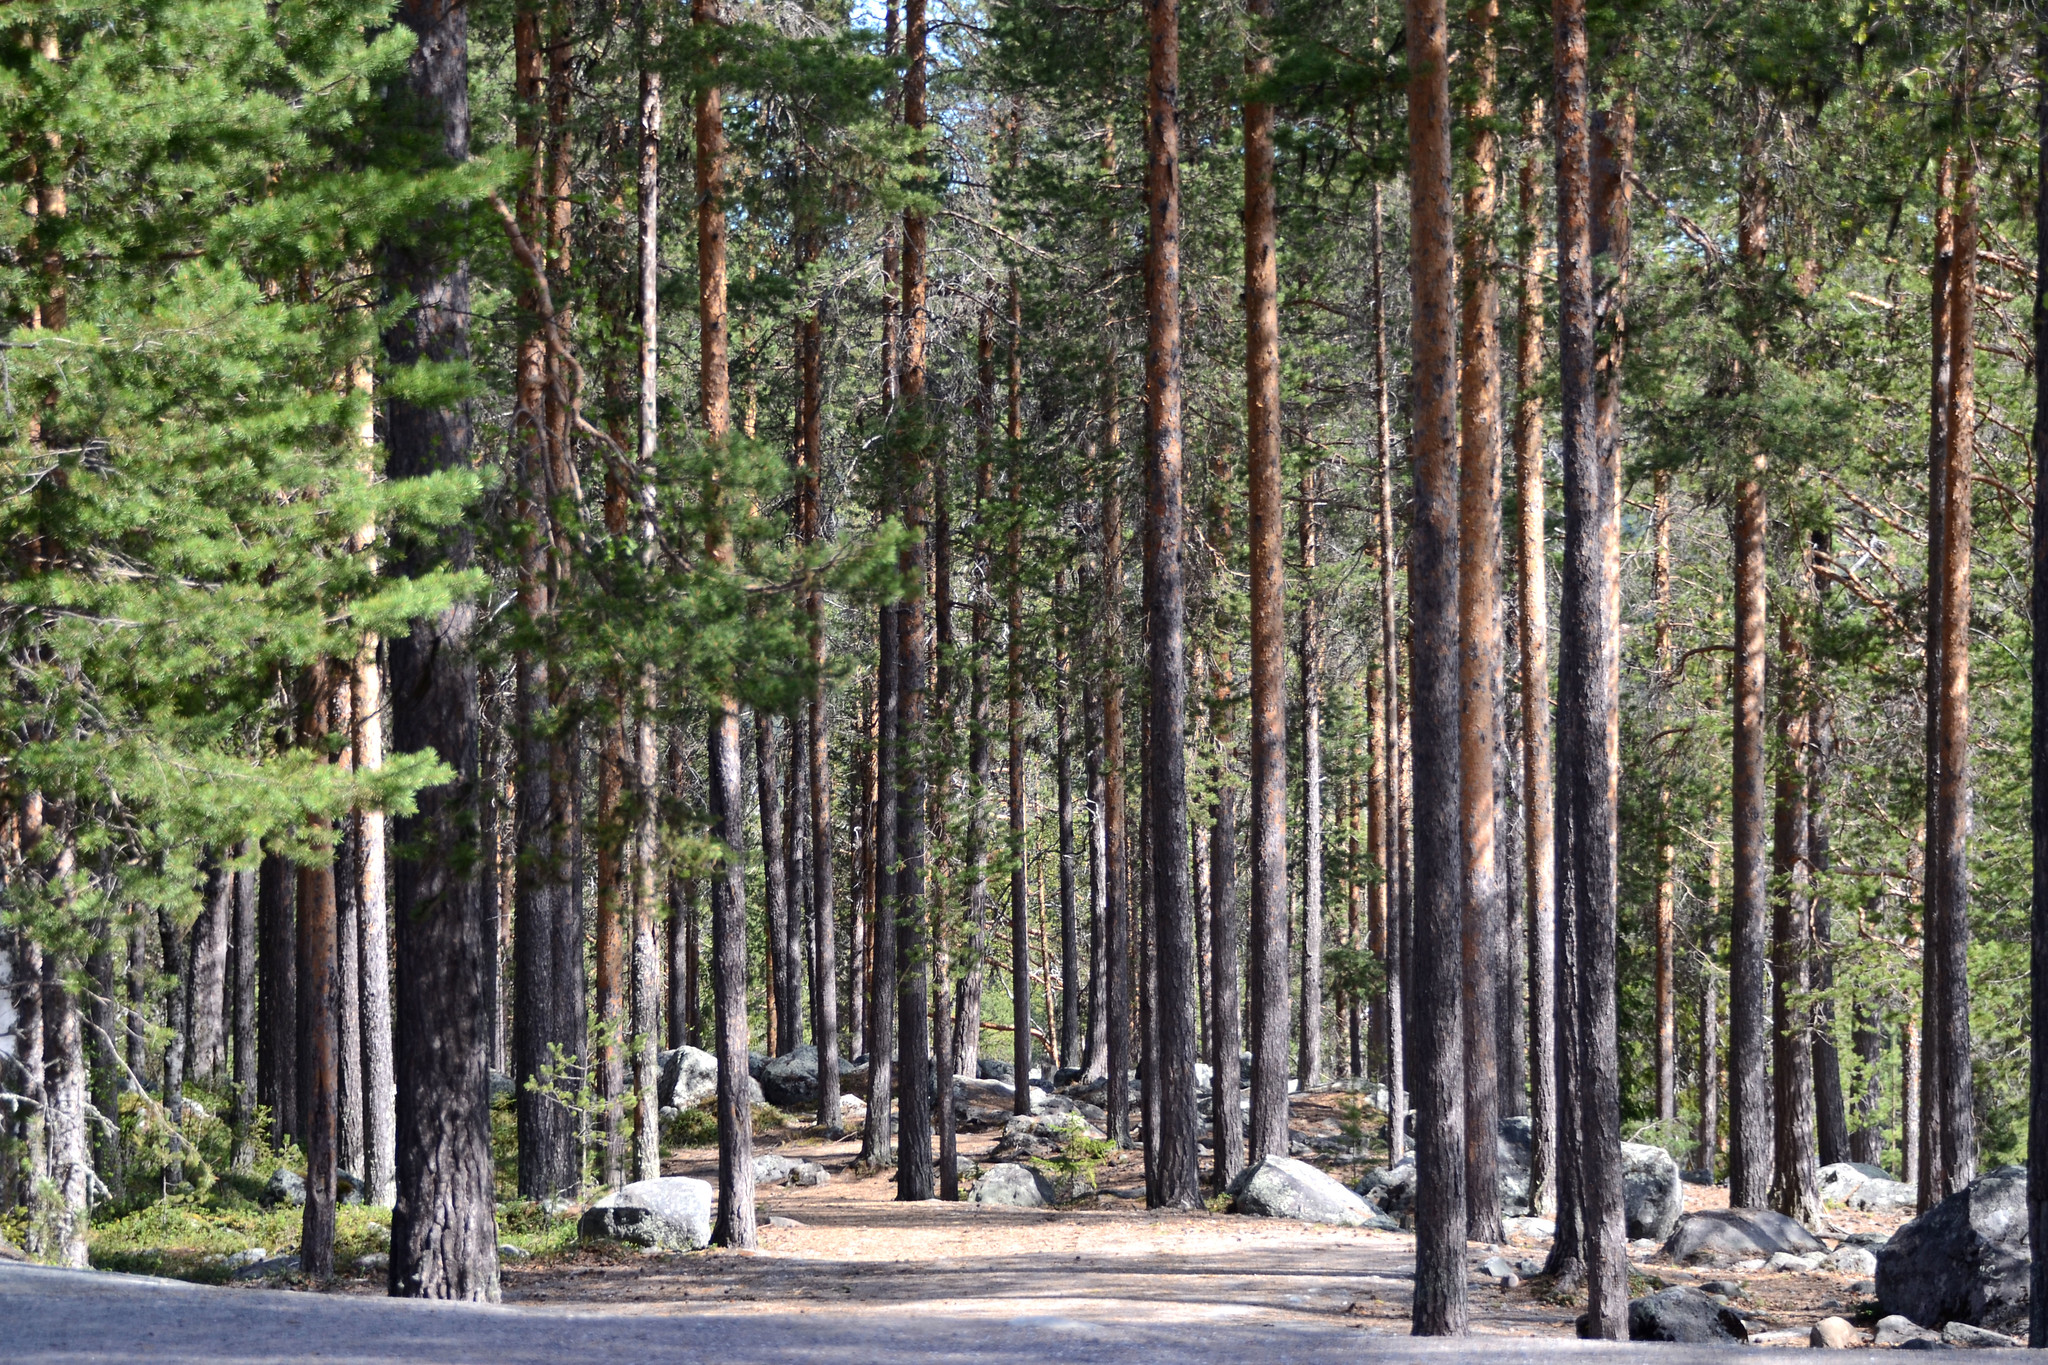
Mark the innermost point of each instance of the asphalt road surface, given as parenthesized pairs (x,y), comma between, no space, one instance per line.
(51,1315)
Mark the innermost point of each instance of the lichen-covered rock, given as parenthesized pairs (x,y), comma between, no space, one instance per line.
(1840,1179)
(1391,1188)
(284,1187)
(1012,1186)
(1281,1187)
(1719,1236)
(1683,1315)
(1653,1196)
(673,1213)
(1964,1260)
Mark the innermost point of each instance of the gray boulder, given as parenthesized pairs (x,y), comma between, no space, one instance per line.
(1964,1260)
(1011,1186)
(1652,1193)
(1840,1179)
(1391,1188)
(263,1270)
(689,1077)
(1281,1187)
(781,1170)
(791,1080)
(1517,1150)
(1854,1261)
(504,1088)
(1898,1329)
(1684,1315)
(1717,1236)
(673,1213)
(1884,1196)
(284,1187)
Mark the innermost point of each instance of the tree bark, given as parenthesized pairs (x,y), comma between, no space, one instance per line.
(774,886)
(913,985)
(2037,1096)
(1020,945)
(206,981)
(277,1029)
(1831,1115)
(1433,558)
(547,938)
(1226,1030)
(608,950)
(65,1081)
(1166,808)
(1589,693)
(735,1223)
(319,994)
(242,950)
(1310,1061)
(1479,655)
(1391,843)
(1950,1027)
(1795,1186)
(173,940)
(1096,1064)
(1063,785)
(1750,1154)
(1665,1001)
(1925,1156)
(444,1241)
(1532,574)
(876,1150)
(1116,960)
(824,914)
(1268,983)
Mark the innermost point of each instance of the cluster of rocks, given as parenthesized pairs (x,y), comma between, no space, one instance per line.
(287,1187)
(1653,1195)
(1865,1188)
(1282,1187)
(782,1170)
(672,1213)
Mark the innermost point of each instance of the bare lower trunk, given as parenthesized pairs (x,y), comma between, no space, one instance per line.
(1795,1186)
(1540,874)
(1392,841)
(1433,558)
(65,1080)
(1479,654)
(242,948)
(1749,1128)
(1309,1063)
(2037,1132)
(876,1150)
(1267,985)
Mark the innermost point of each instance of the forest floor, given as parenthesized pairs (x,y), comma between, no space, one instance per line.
(849,1247)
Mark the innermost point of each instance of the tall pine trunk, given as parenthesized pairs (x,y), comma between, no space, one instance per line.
(1479,655)
(1178,1182)
(1433,549)
(1310,1058)
(1663,991)
(1948,1025)
(444,1241)
(2037,1132)
(1267,985)
(1391,841)
(1532,580)
(1013,682)
(1226,1027)
(1795,1183)
(913,984)
(1750,1153)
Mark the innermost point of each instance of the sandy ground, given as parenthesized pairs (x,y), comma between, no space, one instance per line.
(850,1248)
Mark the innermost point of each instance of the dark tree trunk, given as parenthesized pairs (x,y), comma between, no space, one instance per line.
(1709,1144)
(1795,1185)
(243,952)
(173,939)
(1749,1098)
(1531,577)
(348,992)
(1267,985)
(1589,687)
(206,980)
(735,1225)
(1179,1184)
(320,998)
(1924,1157)
(824,916)
(774,886)
(101,1055)
(1439,1076)
(277,1029)
(1020,942)
(1831,1115)
(1096,1064)
(1390,841)
(1866,1140)
(913,985)
(2037,1131)
(1479,656)
(1226,927)
(1309,1061)
(444,1241)
(876,1151)
(1949,1026)
(1116,959)
(1063,786)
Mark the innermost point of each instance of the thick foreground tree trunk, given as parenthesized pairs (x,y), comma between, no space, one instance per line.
(1439,1077)
(444,1242)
